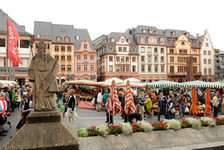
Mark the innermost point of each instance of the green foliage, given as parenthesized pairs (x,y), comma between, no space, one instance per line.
(173,124)
(220,120)
(185,123)
(146,127)
(159,125)
(103,130)
(82,132)
(196,124)
(206,121)
(126,128)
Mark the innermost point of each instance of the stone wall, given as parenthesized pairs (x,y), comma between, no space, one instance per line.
(155,139)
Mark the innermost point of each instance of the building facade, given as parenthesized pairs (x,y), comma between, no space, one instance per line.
(180,47)
(25,51)
(62,43)
(207,57)
(117,56)
(219,65)
(152,53)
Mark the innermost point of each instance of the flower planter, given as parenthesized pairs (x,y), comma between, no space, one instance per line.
(154,140)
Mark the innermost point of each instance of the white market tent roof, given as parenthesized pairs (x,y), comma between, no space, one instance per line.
(6,83)
(132,80)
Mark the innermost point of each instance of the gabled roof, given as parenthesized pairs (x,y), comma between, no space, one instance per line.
(55,30)
(3,24)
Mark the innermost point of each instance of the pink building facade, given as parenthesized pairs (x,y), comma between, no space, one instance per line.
(85,62)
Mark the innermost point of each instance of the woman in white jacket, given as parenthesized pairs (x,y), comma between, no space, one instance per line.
(99,100)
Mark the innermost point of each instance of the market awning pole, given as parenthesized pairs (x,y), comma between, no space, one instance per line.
(7,71)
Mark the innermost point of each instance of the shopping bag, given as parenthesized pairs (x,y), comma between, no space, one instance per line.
(76,116)
(93,101)
(187,110)
(173,110)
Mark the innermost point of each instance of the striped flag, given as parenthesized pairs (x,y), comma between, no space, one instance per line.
(113,103)
(129,107)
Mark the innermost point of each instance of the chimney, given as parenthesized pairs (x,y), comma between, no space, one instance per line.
(197,35)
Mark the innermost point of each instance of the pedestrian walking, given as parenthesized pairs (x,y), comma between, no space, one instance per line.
(215,103)
(71,107)
(162,106)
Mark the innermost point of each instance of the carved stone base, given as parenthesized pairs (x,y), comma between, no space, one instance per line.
(44,131)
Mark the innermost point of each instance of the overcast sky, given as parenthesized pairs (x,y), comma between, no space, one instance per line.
(105,16)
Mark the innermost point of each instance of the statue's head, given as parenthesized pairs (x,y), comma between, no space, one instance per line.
(41,46)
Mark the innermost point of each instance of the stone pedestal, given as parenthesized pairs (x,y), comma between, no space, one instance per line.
(44,131)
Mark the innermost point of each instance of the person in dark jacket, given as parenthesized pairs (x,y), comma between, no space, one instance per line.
(170,106)
(162,105)
(71,106)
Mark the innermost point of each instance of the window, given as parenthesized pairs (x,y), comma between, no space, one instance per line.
(56,48)
(149,68)
(110,49)
(133,49)
(56,57)
(120,49)
(78,57)
(209,61)
(133,59)
(112,39)
(48,46)
(172,69)
(92,57)
(142,58)
(149,59)
(77,37)
(205,61)
(142,49)
(195,69)
(110,58)
(206,44)
(180,68)
(171,59)
(171,51)
(149,50)
(133,68)
(127,68)
(162,50)
(143,68)
(123,68)
(25,44)
(85,67)
(182,51)
(122,58)
(38,35)
(46,36)
(69,49)
(62,48)
(204,52)
(162,69)
(67,39)
(162,59)
(118,69)
(205,71)
(62,58)
(85,57)
(155,50)
(125,49)
(85,46)
(111,68)
(69,58)
(155,59)
(209,52)
(58,38)
(156,68)
(194,59)
(79,68)
(118,59)
(92,68)
(210,71)
(62,67)
(127,59)
(69,68)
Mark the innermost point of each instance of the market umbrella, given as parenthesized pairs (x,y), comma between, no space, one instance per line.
(113,104)
(117,80)
(194,106)
(129,106)
(132,84)
(207,102)
(201,84)
(163,83)
(132,80)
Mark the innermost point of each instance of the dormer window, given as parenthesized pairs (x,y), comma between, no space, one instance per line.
(38,35)
(112,40)
(143,30)
(58,38)
(186,33)
(62,30)
(172,33)
(129,40)
(182,43)
(46,36)
(122,40)
(77,37)
(161,41)
(150,30)
(67,39)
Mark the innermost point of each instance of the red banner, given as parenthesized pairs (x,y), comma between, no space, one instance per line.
(13,37)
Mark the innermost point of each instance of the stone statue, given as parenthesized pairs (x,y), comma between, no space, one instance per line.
(42,72)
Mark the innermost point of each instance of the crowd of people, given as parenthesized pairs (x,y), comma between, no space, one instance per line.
(11,100)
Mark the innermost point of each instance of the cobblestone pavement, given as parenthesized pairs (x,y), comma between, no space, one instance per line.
(86,118)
